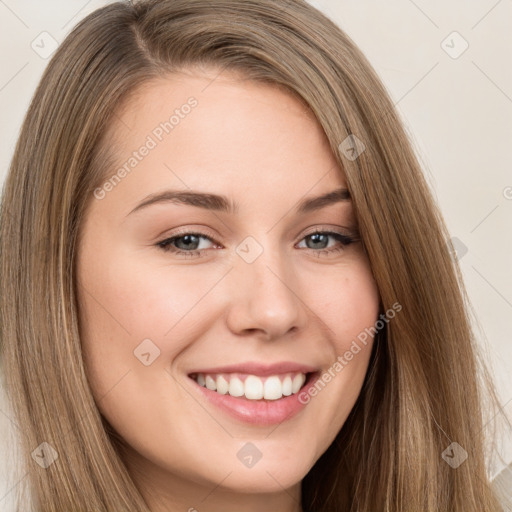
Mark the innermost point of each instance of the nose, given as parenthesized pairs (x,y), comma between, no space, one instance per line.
(265,298)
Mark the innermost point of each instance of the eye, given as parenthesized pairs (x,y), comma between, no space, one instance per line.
(320,240)
(189,244)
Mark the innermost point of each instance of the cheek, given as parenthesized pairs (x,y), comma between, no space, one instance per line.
(358,307)
(346,300)
(354,318)
(348,304)
(125,301)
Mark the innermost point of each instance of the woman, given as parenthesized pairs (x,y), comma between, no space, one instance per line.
(173,336)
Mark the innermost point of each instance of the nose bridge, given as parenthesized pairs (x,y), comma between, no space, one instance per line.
(263,297)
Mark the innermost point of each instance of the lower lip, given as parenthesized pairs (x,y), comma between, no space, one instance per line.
(257,412)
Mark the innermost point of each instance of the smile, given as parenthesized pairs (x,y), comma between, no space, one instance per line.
(252,387)
(255,393)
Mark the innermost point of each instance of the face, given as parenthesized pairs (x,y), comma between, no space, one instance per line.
(249,293)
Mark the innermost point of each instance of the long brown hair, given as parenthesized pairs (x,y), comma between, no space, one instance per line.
(422,390)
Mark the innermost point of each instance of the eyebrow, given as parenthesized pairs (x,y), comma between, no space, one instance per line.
(221,203)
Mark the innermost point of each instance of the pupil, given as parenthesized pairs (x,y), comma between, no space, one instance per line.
(315,238)
(189,239)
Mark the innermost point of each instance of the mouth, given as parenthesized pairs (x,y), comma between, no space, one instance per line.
(255,394)
(253,387)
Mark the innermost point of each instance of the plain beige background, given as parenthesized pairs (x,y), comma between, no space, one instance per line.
(446,66)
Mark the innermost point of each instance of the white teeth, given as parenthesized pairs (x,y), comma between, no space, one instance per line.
(222,385)
(253,388)
(273,387)
(298,380)
(210,383)
(287,386)
(236,387)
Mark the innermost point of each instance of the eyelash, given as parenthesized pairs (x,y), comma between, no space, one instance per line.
(165,245)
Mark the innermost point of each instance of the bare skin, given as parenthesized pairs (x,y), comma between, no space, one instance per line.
(302,299)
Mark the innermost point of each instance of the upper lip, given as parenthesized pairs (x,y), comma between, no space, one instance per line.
(260,369)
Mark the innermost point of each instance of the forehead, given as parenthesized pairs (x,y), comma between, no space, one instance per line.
(239,137)
(209,85)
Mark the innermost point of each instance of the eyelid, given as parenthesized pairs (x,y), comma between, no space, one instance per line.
(345,231)
(190,229)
